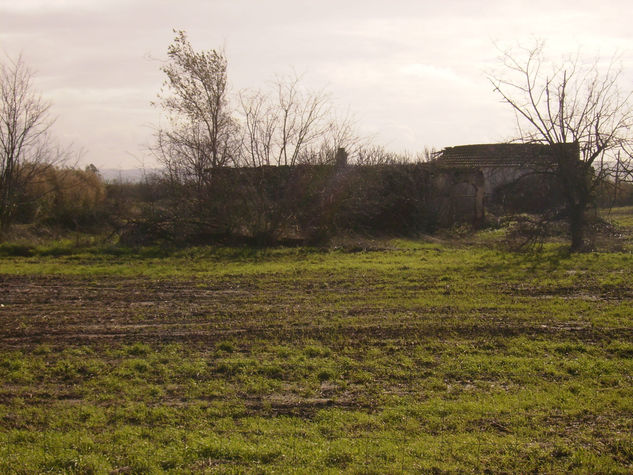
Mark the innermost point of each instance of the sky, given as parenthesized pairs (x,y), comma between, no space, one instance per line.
(411,73)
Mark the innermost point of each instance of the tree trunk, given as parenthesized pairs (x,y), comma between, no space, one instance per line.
(577,227)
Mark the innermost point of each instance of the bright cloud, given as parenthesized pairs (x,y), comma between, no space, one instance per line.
(412,72)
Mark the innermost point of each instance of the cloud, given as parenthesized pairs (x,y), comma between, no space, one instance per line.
(51,6)
(431,72)
(409,70)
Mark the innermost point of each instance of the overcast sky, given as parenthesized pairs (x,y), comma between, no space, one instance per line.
(411,72)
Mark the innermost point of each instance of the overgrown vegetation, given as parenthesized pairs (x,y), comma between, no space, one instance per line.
(374,356)
(278,166)
(579,111)
(147,328)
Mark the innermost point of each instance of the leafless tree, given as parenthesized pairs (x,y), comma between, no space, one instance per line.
(429,154)
(568,102)
(378,155)
(339,135)
(201,136)
(260,125)
(370,154)
(284,127)
(25,145)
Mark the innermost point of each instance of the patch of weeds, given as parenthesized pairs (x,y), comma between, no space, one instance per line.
(93,463)
(137,349)
(67,461)
(620,349)
(193,369)
(91,415)
(237,449)
(66,370)
(338,457)
(42,349)
(226,346)
(622,450)
(568,348)
(134,367)
(272,371)
(314,351)
(8,249)
(254,385)
(282,351)
(233,366)
(155,391)
(326,375)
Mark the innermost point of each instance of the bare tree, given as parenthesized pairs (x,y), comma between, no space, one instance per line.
(260,128)
(201,136)
(25,147)
(429,154)
(285,127)
(378,155)
(565,103)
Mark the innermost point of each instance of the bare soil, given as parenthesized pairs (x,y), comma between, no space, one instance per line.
(68,310)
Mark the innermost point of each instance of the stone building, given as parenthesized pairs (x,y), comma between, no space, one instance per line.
(516,175)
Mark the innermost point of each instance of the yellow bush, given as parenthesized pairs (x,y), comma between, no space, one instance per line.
(66,196)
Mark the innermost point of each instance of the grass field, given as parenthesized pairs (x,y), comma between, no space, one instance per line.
(407,356)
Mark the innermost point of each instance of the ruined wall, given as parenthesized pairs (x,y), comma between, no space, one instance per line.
(311,203)
(518,177)
(310,200)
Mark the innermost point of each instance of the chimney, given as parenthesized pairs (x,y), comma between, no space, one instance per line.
(340,158)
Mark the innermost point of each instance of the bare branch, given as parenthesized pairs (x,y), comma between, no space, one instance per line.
(572,103)
(25,144)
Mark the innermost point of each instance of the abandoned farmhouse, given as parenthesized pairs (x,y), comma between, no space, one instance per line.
(516,176)
(310,203)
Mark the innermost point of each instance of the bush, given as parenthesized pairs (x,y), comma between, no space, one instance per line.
(302,204)
(67,197)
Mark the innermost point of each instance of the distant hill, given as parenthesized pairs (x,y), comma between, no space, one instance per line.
(131,175)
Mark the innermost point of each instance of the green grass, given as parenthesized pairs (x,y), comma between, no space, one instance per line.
(622,216)
(411,357)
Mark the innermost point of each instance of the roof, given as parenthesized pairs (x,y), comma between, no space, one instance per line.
(500,155)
